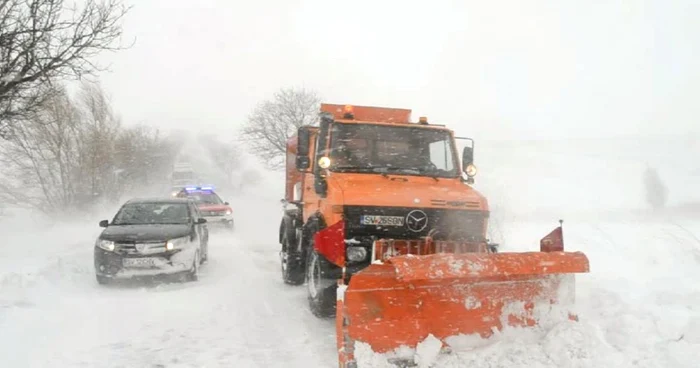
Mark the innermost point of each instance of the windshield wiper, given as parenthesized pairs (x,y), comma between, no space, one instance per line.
(388,169)
(412,170)
(352,167)
(430,173)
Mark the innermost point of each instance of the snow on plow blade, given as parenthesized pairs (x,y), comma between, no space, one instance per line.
(400,302)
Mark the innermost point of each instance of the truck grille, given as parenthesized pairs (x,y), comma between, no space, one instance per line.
(446,224)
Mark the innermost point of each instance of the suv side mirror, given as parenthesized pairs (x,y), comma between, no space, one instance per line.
(303,162)
(226,203)
(104,223)
(202,221)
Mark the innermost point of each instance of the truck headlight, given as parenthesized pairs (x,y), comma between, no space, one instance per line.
(471,170)
(324,162)
(177,243)
(228,212)
(107,245)
(357,254)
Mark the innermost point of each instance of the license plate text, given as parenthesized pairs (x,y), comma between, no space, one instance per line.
(382,220)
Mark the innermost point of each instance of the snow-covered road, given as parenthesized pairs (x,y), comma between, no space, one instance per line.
(638,307)
(53,313)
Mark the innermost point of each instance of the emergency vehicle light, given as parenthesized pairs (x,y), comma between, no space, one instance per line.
(191,189)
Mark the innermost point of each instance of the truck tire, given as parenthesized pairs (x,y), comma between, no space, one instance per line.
(291,262)
(322,289)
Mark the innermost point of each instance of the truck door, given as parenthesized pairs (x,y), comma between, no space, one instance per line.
(314,186)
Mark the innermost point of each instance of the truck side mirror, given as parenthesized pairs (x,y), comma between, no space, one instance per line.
(467,157)
(104,223)
(303,161)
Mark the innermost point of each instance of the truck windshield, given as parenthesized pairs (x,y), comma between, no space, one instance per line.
(392,149)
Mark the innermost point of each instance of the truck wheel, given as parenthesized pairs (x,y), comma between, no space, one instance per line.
(322,289)
(292,266)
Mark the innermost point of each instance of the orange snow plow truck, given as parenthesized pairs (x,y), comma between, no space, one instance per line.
(383,225)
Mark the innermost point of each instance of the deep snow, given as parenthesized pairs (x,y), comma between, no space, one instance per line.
(53,313)
(638,307)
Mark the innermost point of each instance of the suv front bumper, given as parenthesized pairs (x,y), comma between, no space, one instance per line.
(111,264)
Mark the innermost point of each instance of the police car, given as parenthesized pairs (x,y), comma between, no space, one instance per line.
(212,207)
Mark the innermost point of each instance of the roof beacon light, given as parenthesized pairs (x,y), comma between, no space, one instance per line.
(207,188)
(423,120)
(348,113)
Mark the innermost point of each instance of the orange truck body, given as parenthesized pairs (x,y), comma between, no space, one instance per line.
(422,233)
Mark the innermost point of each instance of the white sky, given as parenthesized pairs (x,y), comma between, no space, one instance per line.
(509,69)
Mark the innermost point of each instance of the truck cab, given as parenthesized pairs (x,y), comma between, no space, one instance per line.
(369,174)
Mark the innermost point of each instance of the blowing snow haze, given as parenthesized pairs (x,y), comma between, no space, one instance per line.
(502,70)
(581,111)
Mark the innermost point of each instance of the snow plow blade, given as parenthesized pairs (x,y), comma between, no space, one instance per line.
(400,302)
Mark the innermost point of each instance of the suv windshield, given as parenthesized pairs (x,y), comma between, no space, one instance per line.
(392,149)
(152,213)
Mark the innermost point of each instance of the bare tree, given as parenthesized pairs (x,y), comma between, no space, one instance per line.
(272,122)
(71,155)
(42,156)
(224,155)
(99,129)
(42,41)
(142,157)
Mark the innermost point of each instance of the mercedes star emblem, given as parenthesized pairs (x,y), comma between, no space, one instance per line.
(416,221)
(140,247)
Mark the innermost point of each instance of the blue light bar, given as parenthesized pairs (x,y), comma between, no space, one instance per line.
(196,189)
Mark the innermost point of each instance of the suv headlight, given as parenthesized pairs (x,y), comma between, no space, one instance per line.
(107,245)
(177,243)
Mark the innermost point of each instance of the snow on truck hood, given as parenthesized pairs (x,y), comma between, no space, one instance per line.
(408,191)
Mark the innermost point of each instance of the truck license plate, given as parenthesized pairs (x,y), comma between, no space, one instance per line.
(382,220)
(138,262)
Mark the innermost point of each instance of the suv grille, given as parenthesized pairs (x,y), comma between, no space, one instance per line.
(130,248)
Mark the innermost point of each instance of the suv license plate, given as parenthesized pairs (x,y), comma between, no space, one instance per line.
(138,262)
(382,220)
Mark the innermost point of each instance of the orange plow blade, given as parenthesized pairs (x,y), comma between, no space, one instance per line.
(403,300)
